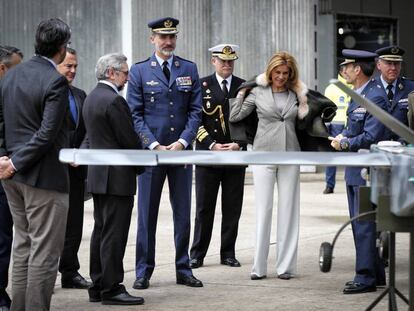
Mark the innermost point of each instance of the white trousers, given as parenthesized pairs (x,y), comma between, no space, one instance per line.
(287,178)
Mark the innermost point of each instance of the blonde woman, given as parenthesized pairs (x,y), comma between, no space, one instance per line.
(280,100)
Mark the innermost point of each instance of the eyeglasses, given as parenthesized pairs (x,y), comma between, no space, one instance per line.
(126,72)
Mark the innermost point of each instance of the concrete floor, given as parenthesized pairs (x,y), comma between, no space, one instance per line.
(228,288)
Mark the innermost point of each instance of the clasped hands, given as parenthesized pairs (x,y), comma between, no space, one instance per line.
(175,146)
(6,168)
(226,147)
(336,141)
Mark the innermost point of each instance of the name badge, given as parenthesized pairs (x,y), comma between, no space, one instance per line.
(360,110)
(184,81)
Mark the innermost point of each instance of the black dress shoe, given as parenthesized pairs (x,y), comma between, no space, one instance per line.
(358,288)
(141,283)
(328,190)
(77,281)
(284,276)
(188,280)
(232,262)
(379,283)
(255,277)
(196,263)
(123,299)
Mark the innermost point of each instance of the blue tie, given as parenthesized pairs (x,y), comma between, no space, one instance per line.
(72,107)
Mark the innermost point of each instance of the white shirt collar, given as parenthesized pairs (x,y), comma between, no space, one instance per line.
(220,80)
(49,60)
(113,86)
(161,61)
(362,87)
(385,83)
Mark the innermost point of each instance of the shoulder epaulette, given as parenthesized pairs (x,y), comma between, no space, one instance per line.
(143,61)
(184,59)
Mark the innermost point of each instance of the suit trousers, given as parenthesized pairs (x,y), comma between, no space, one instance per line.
(208,180)
(369,267)
(288,188)
(69,262)
(112,215)
(6,238)
(150,185)
(39,216)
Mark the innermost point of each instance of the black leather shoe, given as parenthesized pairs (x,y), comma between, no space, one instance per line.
(196,263)
(188,280)
(379,283)
(95,298)
(255,277)
(284,276)
(123,299)
(328,190)
(358,288)
(232,262)
(78,281)
(141,283)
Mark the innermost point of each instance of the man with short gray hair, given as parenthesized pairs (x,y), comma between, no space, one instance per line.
(109,125)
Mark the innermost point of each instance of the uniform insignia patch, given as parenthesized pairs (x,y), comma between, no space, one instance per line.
(208,104)
(400,86)
(207,97)
(152,83)
(184,81)
(177,63)
(204,83)
(153,64)
(360,110)
(208,91)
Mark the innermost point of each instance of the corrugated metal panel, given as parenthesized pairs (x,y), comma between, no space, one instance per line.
(259,27)
(95,29)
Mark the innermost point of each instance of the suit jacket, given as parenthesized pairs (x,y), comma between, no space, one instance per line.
(215,117)
(363,129)
(34,103)
(109,125)
(77,130)
(275,130)
(162,110)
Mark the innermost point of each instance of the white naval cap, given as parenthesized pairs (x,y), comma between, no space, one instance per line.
(225,51)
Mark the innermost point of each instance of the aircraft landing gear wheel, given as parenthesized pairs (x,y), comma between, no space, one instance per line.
(325,257)
(383,245)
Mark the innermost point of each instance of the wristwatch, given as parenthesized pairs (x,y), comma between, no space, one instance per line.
(344,144)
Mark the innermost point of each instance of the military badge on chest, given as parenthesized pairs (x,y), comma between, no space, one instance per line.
(218,108)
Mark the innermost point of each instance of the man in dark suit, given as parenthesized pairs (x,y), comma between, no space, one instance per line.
(69,262)
(362,129)
(34,102)
(165,100)
(9,57)
(214,134)
(109,125)
(396,87)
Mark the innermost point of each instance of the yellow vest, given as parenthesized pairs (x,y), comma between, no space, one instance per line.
(340,99)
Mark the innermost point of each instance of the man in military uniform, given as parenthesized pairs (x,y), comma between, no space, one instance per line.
(337,124)
(164,96)
(361,130)
(396,87)
(214,134)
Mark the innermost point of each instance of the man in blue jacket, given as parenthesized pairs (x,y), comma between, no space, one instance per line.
(361,131)
(164,96)
(396,87)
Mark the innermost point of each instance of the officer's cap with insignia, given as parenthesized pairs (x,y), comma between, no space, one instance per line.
(165,25)
(391,53)
(225,51)
(357,56)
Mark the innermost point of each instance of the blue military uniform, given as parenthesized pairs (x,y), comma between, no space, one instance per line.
(361,131)
(401,87)
(165,112)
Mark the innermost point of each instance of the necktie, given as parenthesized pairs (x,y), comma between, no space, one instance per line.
(390,94)
(72,107)
(166,70)
(224,88)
